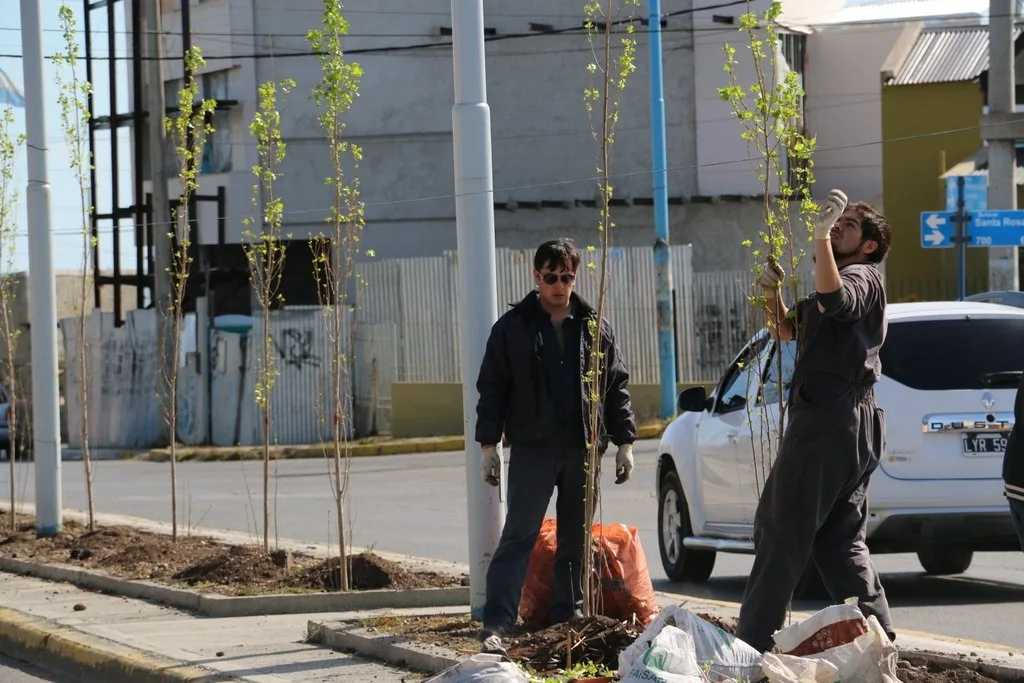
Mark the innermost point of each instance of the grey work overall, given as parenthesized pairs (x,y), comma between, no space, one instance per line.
(814,503)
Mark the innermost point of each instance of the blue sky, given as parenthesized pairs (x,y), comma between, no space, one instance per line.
(65,210)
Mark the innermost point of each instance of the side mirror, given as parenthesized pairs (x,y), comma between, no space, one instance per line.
(693,400)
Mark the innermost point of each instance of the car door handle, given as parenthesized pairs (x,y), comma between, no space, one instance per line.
(733,434)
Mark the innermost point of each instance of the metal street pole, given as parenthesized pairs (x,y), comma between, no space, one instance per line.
(1003,266)
(478,290)
(42,288)
(961,237)
(662,251)
(156,146)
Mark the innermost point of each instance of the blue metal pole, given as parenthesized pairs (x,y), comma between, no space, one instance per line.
(961,242)
(662,253)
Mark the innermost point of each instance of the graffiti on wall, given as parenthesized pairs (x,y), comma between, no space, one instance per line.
(295,348)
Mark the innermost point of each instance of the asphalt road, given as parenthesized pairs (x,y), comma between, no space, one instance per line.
(416,504)
(16,672)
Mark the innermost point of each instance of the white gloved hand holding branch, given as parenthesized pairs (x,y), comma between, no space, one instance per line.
(771,279)
(830,212)
(623,463)
(491,462)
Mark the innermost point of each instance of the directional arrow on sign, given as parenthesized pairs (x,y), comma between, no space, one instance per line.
(936,229)
(935,237)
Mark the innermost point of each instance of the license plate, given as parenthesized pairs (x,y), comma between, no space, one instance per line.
(986,443)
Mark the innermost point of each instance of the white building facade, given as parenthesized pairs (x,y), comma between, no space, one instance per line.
(544,154)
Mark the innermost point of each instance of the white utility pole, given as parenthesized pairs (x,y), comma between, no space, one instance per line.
(42,289)
(1003,268)
(153,81)
(478,289)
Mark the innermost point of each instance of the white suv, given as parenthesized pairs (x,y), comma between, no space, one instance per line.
(950,372)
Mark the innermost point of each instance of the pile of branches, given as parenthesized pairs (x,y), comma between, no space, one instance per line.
(598,640)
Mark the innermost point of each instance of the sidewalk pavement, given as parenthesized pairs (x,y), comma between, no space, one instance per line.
(64,629)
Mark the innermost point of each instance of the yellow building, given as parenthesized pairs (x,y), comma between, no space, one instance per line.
(932,101)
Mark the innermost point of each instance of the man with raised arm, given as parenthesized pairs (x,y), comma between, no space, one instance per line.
(814,504)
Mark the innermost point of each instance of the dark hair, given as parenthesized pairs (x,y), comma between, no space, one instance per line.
(873,226)
(555,253)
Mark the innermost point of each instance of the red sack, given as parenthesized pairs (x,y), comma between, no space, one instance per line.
(626,587)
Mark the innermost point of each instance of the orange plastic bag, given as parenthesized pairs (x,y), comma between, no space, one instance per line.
(626,587)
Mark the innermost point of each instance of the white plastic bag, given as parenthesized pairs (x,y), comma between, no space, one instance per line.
(833,626)
(481,668)
(720,655)
(790,669)
(669,659)
(856,648)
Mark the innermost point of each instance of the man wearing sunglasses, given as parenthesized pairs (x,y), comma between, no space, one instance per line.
(532,390)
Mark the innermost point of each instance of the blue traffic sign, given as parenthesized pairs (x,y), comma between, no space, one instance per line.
(975,193)
(996,229)
(984,229)
(937,229)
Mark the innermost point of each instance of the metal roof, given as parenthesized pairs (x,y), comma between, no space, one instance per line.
(977,164)
(895,11)
(946,54)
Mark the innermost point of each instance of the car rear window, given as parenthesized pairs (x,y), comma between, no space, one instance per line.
(939,355)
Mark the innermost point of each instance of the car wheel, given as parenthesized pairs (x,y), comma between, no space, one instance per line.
(680,563)
(944,561)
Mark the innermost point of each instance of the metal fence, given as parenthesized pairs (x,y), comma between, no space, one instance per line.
(419,297)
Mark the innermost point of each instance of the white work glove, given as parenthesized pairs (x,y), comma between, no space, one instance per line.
(771,279)
(623,463)
(830,212)
(491,465)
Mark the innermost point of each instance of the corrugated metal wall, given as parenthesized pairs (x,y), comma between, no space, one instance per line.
(406,330)
(420,295)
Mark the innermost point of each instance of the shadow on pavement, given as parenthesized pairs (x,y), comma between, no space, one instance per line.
(903,589)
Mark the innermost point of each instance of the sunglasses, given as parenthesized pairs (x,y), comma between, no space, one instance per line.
(551,278)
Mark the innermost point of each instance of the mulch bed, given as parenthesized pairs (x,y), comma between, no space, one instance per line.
(598,640)
(200,562)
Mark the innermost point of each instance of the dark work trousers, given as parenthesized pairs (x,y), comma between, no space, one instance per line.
(814,505)
(1017,515)
(533,475)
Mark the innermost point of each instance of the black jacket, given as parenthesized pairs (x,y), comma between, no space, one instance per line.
(514,396)
(1013,459)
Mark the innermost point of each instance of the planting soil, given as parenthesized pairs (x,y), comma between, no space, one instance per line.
(203,563)
(597,640)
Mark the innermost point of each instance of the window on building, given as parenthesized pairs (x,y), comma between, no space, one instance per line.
(217,149)
(217,153)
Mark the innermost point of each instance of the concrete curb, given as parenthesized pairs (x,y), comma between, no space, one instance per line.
(221,606)
(66,651)
(1000,672)
(356,450)
(394,650)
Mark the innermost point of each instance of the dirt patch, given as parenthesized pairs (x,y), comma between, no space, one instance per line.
(201,562)
(597,640)
(456,633)
(368,571)
(932,673)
